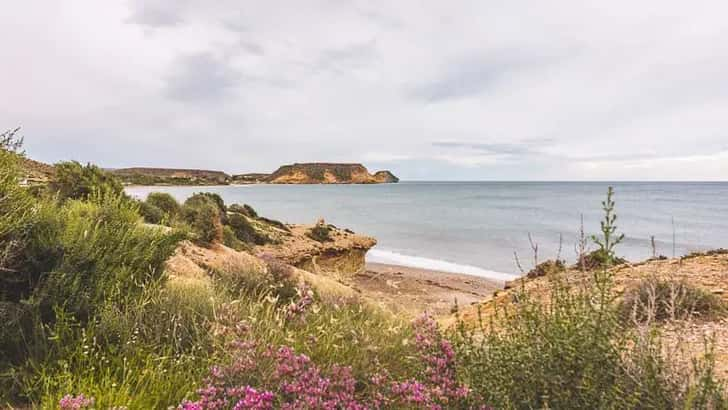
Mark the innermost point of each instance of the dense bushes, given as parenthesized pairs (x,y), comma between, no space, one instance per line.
(151,213)
(207,217)
(75,181)
(203,215)
(76,257)
(66,259)
(165,202)
(244,230)
(106,255)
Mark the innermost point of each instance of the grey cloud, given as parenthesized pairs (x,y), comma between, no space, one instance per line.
(383,20)
(200,77)
(474,75)
(156,13)
(252,48)
(525,148)
(342,59)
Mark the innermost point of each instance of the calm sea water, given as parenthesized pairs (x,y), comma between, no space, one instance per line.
(475,227)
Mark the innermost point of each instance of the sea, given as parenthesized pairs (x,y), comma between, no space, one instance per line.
(483,228)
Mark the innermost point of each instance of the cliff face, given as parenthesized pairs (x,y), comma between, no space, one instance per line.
(342,254)
(319,173)
(385,177)
(168,176)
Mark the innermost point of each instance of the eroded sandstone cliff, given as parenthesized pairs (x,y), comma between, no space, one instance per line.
(319,173)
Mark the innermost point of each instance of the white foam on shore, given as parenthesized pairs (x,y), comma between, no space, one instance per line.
(393,258)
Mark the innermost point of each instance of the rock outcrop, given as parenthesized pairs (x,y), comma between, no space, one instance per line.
(194,266)
(318,173)
(385,177)
(342,254)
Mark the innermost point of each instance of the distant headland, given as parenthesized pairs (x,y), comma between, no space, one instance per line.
(309,173)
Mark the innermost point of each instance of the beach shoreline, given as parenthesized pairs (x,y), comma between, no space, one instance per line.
(415,290)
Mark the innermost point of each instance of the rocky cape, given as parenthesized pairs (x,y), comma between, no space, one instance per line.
(318,173)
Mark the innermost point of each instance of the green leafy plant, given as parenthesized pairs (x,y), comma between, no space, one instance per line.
(202,214)
(609,239)
(165,202)
(320,233)
(75,181)
(151,213)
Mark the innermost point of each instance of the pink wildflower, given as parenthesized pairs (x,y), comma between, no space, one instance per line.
(69,402)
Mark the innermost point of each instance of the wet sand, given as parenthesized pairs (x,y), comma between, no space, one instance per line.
(413,290)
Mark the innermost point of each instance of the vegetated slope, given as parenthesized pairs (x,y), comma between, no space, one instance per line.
(36,171)
(319,173)
(171,176)
(659,281)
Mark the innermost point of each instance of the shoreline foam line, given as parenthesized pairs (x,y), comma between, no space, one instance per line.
(393,258)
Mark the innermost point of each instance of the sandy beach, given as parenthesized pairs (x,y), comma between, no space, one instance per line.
(413,290)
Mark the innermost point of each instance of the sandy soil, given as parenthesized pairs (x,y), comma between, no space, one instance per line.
(413,291)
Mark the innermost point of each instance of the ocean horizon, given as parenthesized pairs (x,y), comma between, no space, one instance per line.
(480,227)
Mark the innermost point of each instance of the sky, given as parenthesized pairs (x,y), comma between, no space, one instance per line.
(432,90)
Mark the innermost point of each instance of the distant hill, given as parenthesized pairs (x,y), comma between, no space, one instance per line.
(171,176)
(318,173)
(35,172)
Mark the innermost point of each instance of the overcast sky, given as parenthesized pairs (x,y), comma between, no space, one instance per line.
(537,90)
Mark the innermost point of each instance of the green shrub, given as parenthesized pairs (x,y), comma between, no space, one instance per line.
(245,231)
(598,259)
(75,181)
(250,211)
(244,209)
(16,209)
(230,240)
(216,199)
(320,233)
(278,224)
(106,254)
(546,268)
(664,299)
(203,216)
(151,213)
(76,260)
(165,202)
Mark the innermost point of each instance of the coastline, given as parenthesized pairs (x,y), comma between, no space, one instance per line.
(413,290)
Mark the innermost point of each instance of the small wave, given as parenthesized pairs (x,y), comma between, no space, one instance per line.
(393,258)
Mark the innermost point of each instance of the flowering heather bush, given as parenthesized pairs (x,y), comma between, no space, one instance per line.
(264,377)
(69,402)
